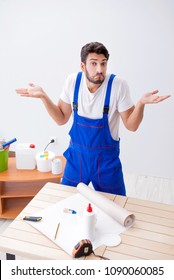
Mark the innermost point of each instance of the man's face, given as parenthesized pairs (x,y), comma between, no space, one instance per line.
(95,68)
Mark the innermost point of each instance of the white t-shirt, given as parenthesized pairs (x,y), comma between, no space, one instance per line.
(90,105)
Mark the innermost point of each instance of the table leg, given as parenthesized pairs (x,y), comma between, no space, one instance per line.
(10,256)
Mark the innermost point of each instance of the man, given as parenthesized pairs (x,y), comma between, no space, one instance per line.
(97,101)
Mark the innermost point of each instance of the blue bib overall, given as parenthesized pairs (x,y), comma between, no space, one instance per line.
(93,155)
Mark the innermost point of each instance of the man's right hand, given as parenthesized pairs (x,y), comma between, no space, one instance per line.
(32,91)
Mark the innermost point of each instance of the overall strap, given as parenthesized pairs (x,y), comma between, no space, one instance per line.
(76,91)
(108,93)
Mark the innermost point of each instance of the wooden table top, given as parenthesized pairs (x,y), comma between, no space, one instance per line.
(150,238)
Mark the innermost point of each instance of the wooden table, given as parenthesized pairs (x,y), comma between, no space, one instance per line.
(151,236)
(18,187)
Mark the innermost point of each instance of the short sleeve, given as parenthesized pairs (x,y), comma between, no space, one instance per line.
(124,101)
(68,89)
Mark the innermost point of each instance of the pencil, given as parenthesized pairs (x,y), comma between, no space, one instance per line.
(55,236)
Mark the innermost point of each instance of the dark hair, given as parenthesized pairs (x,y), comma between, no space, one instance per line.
(93,47)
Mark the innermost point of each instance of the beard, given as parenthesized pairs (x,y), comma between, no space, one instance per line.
(98,81)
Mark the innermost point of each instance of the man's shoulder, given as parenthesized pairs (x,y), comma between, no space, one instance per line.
(117,80)
(72,76)
(70,80)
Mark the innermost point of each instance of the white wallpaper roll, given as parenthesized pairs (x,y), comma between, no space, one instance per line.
(115,211)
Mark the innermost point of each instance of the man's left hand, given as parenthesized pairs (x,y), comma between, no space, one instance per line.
(152,98)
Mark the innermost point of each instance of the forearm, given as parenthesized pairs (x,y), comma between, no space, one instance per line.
(53,110)
(136,116)
(133,116)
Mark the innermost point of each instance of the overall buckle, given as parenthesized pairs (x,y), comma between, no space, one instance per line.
(106,110)
(75,106)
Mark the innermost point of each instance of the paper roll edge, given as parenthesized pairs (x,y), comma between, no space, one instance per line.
(129,220)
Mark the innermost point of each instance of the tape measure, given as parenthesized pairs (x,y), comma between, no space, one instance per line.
(82,248)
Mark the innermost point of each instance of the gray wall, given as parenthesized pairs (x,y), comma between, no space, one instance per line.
(41,42)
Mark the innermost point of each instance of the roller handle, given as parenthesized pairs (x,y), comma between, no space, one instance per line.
(9,142)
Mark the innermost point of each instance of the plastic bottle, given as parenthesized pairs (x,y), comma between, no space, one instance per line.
(25,156)
(89,221)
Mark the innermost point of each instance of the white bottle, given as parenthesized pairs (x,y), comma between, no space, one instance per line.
(25,156)
(89,221)
(56,166)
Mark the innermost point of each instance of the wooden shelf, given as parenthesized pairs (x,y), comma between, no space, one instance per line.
(18,187)
(12,206)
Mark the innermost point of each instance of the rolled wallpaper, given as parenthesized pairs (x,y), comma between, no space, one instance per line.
(114,210)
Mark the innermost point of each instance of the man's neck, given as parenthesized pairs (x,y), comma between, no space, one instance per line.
(92,87)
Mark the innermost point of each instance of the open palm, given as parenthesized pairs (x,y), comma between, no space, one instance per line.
(32,91)
(152,98)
